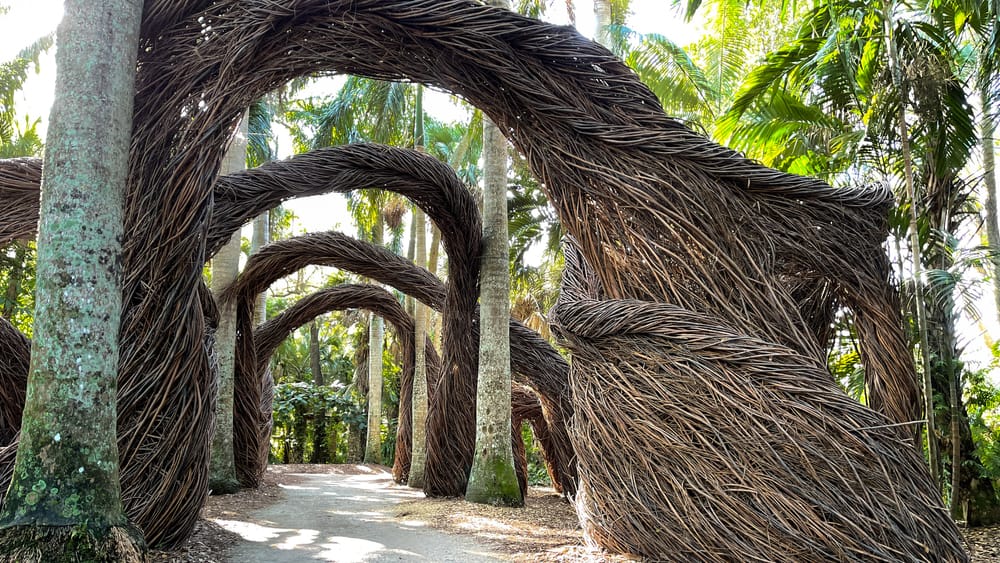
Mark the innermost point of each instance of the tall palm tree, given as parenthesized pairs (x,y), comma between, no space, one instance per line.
(419,399)
(492,479)
(65,494)
(225,268)
(871,92)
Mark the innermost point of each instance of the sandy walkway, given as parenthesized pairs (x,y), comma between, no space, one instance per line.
(345,518)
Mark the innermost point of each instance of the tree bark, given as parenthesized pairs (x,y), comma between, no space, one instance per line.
(418,396)
(493,479)
(987,129)
(225,267)
(321,453)
(261,236)
(918,286)
(64,499)
(376,337)
(602,18)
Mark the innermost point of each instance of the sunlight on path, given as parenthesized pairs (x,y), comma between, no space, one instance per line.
(345,518)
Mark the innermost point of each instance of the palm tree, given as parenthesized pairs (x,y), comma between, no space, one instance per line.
(225,268)
(65,496)
(872,93)
(419,398)
(492,479)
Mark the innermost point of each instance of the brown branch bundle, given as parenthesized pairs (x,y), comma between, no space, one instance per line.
(15,353)
(20,180)
(434,187)
(753,452)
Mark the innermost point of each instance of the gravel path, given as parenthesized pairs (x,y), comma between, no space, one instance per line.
(344,518)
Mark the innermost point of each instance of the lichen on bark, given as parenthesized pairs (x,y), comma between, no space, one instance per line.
(64,494)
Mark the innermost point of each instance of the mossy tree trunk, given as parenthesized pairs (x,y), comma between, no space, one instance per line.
(225,267)
(493,479)
(64,501)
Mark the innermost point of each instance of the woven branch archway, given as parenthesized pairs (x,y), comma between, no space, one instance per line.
(269,336)
(533,361)
(242,196)
(433,186)
(661,214)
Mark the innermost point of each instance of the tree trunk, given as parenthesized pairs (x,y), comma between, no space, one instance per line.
(603,21)
(433,254)
(64,500)
(261,234)
(225,267)
(418,396)
(408,300)
(376,336)
(493,479)
(987,130)
(320,452)
(920,304)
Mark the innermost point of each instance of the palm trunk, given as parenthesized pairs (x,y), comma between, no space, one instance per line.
(64,500)
(418,397)
(493,479)
(321,452)
(409,302)
(434,318)
(987,129)
(376,337)
(602,17)
(261,234)
(918,289)
(225,267)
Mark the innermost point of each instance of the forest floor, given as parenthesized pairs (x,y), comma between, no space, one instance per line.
(356,513)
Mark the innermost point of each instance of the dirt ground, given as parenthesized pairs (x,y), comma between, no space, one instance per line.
(546,530)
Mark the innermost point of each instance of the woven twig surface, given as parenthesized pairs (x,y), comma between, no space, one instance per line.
(660,213)
(15,353)
(19,193)
(533,361)
(434,187)
(754,453)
